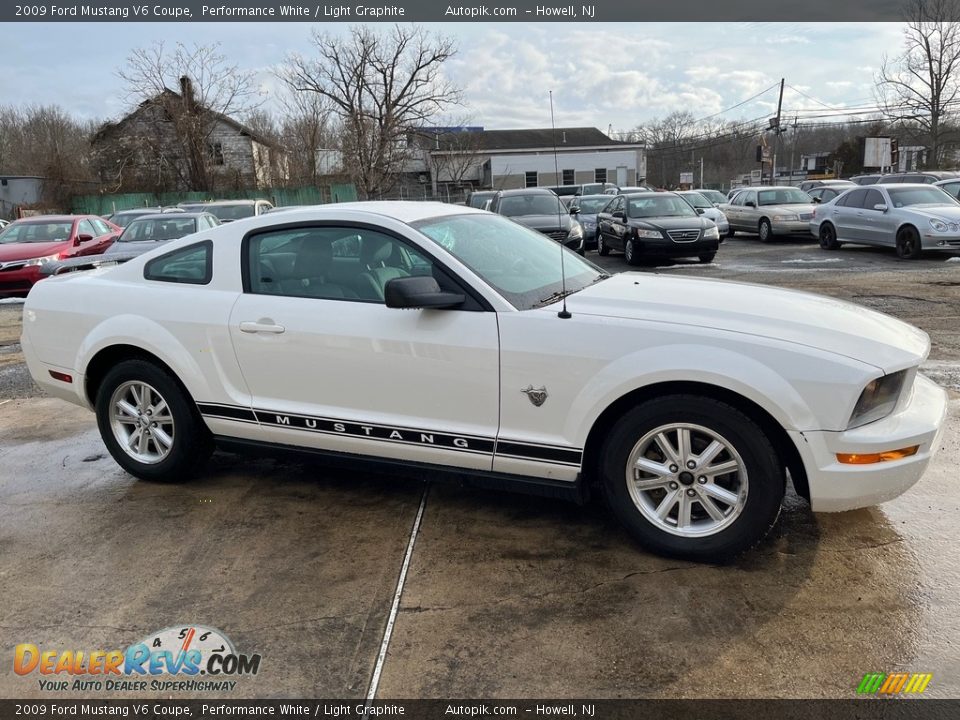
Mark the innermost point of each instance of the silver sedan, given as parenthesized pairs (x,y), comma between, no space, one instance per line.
(908,217)
(770,211)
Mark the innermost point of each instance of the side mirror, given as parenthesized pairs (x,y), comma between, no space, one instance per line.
(699,211)
(82,238)
(619,215)
(882,207)
(750,203)
(574,210)
(418,291)
(817,201)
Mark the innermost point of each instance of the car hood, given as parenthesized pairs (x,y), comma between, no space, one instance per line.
(25,251)
(714,214)
(812,320)
(786,209)
(934,212)
(544,222)
(672,223)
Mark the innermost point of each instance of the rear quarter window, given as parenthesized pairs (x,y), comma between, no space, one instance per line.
(192,265)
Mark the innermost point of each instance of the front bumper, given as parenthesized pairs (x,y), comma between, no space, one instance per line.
(670,248)
(793,227)
(940,241)
(17,283)
(835,486)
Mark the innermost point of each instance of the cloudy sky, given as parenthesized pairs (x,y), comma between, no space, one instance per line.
(602,74)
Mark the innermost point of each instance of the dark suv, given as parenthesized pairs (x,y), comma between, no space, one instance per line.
(540,209)
(927,176)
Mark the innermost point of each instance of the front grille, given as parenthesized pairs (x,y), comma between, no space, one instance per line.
(806,216)
(558,235)
(683,235)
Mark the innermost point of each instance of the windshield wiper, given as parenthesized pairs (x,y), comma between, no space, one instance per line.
(550,299)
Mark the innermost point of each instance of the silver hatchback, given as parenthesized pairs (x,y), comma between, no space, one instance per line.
(908,217)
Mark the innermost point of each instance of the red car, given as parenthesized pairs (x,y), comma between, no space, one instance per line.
(27,244)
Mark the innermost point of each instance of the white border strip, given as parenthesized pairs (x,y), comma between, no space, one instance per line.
(392,619)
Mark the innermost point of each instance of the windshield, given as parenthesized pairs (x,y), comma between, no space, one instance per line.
(665,205)
(122,219)
(518,205)
(520,264)
(697,200)
(232,212)
(713,195)
(591,206)
(783,196)
(36,232)
(904,197)
(158,230)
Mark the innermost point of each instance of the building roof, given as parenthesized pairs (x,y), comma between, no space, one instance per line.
(226,119)
(524,139)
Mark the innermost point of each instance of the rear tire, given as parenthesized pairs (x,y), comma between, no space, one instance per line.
(726,503)
(828,237)
(150,424)
(909,246)
(602,248)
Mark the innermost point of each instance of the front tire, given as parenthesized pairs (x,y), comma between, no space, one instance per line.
(149,423)
(630,253)
(706,258)
(692,477)
(909,246)
(765,231)
(828,237)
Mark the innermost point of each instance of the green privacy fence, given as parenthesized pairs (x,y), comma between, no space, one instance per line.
(280,197)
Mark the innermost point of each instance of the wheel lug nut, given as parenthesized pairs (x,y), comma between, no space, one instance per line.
(691,464)
(702,480)
(691,492)
(673,486)
(673,468)
(153,424)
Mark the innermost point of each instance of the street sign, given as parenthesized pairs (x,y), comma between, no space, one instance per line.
(686,178)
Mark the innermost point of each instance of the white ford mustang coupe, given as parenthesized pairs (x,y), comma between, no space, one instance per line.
(436,336)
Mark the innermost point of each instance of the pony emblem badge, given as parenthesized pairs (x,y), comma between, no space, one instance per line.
(536,395)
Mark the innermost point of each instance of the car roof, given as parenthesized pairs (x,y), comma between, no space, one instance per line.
(52,218)
(593,196)
(139,210)
(216,203)
(891,186)
(172,216)
(406,211)
(527,191)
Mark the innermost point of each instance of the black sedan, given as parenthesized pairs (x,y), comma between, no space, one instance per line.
(655,225)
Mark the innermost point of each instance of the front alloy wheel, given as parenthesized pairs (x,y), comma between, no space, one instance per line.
(765,231)
(630,253)
(149,423)
(692,477)
(602,248)
(909,246)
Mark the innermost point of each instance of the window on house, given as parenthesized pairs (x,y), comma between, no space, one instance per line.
(600,175)
(216,153)
(532,179)
(568,178)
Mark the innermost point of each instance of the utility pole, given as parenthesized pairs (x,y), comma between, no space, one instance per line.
(793,146)
(701,171)
(776,137)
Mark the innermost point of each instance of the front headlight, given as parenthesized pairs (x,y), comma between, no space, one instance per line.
(786,218)
(941,226)
(576,232)
(711,233)
(878,399)
(652,234)
(589,224)
(42,260)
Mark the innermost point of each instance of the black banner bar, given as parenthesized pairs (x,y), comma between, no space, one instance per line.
(527,11)
(861,709)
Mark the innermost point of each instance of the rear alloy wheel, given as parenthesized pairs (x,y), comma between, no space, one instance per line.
(630,253)
(706,258)
(149,424)
(692,477)
(828,237)
(909,246)
(765,231)
(602,248)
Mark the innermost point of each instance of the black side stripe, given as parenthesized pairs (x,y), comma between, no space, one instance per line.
(538,452)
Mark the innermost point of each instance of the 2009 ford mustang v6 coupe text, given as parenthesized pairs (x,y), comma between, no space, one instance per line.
(435,335)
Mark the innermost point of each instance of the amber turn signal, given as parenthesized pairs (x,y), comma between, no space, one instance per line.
(870,458)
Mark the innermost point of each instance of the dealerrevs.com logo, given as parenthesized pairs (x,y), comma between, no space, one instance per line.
(181,658)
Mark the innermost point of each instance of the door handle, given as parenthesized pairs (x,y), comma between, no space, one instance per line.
(261,326)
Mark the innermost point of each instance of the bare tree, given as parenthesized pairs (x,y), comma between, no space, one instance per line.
(920,85)
(308,133)
(206,86)
(380,86)
(666,139)
(454,155)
